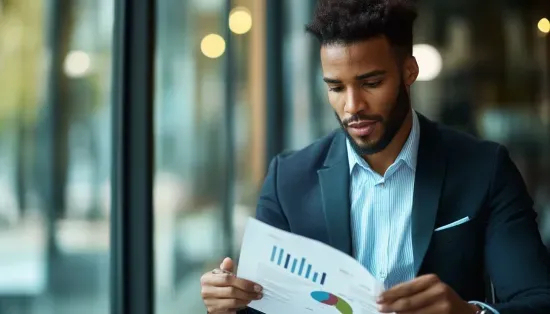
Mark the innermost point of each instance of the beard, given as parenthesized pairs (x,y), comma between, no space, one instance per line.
(390,126)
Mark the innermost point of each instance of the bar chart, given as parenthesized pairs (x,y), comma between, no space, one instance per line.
(296,265)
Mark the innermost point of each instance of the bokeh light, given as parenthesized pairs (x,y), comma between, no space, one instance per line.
(77,64)
(429,61)
(213,46)
(240,20)
(544,25)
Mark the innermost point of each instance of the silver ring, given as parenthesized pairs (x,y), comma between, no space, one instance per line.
(221,271)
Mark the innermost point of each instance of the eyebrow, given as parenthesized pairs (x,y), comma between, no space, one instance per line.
(357,78)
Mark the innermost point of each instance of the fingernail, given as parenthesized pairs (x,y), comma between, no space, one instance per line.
(257,288)
(380,308)
(380,299)
(259,296)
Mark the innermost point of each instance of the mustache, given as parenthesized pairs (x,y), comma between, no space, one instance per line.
(361,117)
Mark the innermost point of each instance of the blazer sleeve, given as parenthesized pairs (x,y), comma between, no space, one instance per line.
(269,208)
(248,311)
(517,261)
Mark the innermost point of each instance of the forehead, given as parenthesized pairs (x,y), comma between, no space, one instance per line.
(368,55)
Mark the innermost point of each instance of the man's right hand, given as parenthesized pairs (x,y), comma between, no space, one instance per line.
(224,293)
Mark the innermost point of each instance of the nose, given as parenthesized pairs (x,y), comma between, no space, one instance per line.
(354,102)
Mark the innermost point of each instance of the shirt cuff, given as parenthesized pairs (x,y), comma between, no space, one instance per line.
(487,306)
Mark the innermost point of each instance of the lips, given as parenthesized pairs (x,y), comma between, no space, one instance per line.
(362,128)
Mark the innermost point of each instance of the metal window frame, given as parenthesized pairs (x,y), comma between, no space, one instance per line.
(275,106)
(229,126)
(54,163)
(132,216)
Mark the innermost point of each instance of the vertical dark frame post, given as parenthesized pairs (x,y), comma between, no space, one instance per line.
(132,289)
(229,118)
(54,131)
(275,133)
(53,101)
(319,104)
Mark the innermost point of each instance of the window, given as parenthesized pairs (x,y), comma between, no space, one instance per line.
(55,74)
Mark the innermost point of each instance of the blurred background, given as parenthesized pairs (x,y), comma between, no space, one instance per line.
(484,68)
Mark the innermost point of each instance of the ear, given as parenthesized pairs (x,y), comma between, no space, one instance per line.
(410,71)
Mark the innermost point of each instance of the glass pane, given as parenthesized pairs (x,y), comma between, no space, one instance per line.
(55,156)
(191,148)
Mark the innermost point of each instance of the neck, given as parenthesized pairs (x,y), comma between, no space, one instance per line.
(380,162)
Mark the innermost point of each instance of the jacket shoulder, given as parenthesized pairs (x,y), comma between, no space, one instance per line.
(309,158)
(462,144)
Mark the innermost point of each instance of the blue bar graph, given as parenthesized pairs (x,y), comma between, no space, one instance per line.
(273,253)
(298,265)
(301,267)
(281,252)
(308,271)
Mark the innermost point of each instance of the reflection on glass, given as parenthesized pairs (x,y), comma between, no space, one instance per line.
(54,223)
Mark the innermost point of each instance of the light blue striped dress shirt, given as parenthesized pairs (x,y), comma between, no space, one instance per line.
(381,209)
(381,213)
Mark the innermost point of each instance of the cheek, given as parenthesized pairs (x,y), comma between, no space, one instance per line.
(381,100)
(336,102)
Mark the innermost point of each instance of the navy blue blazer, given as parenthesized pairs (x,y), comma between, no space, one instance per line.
(307,193)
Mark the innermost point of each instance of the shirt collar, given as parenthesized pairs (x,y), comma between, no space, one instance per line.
(408,153)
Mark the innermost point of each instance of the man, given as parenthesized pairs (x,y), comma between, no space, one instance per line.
(426,209)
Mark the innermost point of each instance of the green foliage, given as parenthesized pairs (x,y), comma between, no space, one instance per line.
(22,59)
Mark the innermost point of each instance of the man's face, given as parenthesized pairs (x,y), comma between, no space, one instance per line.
(367,91)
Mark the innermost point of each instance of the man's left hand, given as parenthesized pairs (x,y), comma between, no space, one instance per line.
(425,295)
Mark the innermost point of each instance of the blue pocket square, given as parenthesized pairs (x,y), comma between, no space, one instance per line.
(454,224)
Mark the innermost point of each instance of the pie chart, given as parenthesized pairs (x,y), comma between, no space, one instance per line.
(332,300)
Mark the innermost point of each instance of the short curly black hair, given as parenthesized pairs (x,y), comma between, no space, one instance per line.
(350,21)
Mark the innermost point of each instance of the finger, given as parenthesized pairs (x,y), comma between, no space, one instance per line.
(421,300)
(408,288)
(246,285)
(227,280)
(227,265)
(436,308)
(210,292)
(224,306)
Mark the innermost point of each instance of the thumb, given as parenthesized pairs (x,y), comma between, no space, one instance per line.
(227,265)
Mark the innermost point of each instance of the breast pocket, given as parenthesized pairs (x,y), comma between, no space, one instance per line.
(456,248)
(463,233)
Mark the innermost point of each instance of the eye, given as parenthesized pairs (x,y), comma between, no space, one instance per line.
(336,89)
(372,84)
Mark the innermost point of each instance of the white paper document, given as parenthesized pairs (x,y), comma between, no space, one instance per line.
(301,275)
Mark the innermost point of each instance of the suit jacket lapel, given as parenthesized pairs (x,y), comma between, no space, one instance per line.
(334,182)
(430,172)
